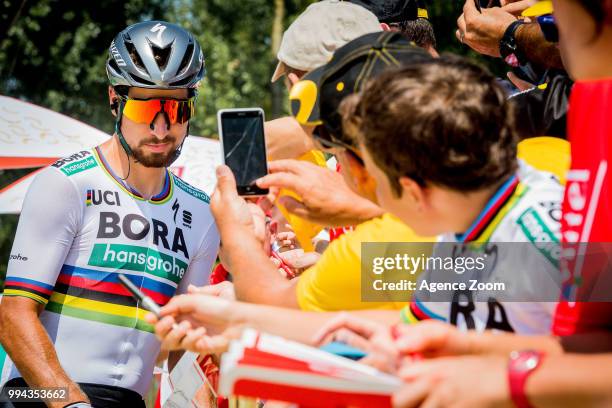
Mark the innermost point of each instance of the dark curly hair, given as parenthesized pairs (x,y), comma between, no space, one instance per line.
(446,122)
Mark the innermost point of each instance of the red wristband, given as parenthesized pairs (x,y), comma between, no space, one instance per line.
(520,366)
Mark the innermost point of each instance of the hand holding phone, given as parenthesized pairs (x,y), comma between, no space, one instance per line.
(243,146)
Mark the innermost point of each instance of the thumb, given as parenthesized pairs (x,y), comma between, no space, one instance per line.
(226,182)
(518,82)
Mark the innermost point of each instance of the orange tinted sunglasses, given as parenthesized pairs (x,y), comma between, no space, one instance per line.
(145,110)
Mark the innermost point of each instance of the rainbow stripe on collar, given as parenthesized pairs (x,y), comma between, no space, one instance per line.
(498,206)
(161,198)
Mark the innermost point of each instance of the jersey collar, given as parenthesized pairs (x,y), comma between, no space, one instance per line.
(496,208)
(160,198)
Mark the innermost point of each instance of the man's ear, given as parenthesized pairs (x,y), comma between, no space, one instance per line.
(359,172)
(385,27)
(414,193)
(113,100)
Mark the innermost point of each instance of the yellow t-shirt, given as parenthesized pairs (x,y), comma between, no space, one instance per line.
(334,282)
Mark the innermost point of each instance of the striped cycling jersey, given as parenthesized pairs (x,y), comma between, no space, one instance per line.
(526,209)
(79,228)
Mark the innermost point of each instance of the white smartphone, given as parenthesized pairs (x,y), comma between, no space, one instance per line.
(243,147)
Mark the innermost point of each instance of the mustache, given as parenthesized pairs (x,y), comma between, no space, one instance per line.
(167,139)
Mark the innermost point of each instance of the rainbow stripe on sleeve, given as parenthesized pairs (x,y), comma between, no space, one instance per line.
(94,295)
(35,290)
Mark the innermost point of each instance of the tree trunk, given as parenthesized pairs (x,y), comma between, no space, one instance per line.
(278,94)
(10,21)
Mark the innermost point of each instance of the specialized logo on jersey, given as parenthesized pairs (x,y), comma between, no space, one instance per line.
(76,163)
(97,197)
(187,216)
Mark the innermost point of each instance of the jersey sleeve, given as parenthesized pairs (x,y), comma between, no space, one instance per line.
(199,269)
(49,221)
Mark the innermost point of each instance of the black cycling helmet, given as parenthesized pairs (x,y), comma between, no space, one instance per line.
(155,54)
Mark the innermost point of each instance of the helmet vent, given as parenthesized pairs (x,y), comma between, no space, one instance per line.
(182,82)
(140,80)
(186,58)
(134,56)
(113,64)
(161,55)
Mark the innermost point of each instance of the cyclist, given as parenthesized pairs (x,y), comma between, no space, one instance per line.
(112,209)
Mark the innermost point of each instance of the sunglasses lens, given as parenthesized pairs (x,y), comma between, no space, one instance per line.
(144,111)
(141,111)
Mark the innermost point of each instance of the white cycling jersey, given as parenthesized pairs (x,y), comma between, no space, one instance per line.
(525,211)
(79,228)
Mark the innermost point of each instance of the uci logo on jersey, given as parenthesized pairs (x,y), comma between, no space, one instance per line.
(97,197)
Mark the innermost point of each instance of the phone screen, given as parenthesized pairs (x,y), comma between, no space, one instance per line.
(244,148)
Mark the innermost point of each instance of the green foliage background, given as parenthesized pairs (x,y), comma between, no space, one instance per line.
(52,53)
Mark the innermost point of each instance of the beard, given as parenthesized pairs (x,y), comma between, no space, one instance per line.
(155,159)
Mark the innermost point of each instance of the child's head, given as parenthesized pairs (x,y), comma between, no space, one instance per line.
(442,126)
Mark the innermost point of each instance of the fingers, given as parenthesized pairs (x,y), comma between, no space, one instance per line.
(267,202)
(226,182)
(350,338)
(412,394)
(182,304)
(287,166)
(212,344)
(517,7)
(469,9)
(306,260)
(285,235)
(518,82)
(461,28)
(191,338)
(363,327)
(425,337)
(433,368)
(171,334)
(151,318)
(210,290)
(284,180)
(276,261)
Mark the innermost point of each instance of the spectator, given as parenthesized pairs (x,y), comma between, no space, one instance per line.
(409,17)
